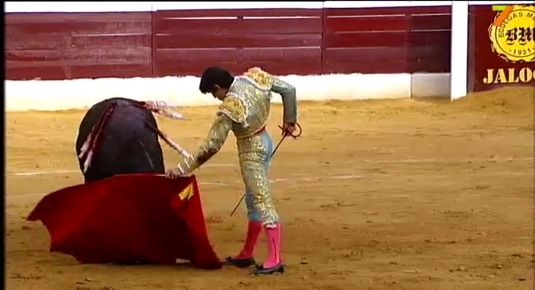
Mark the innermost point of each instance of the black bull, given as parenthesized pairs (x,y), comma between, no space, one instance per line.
(122,141)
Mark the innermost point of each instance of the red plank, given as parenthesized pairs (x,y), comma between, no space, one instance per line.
(365,54)
(75,17)
(366,24)
(25,25)
(81,27)
(429,38)
(367,67)
(181,55)
(37,41)
(193,68)
(38,72)
(193,40)
(433,53)
(68,72)
(366,39)
(429,66)
(264,12)
(32,58)
(260,26)
(376,11)
(283,55)
(371,11)
(111,71)
(416,10)
(430,22)
(429,59)
(112,41)
(291,67)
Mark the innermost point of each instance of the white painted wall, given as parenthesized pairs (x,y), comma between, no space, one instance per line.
(82,93)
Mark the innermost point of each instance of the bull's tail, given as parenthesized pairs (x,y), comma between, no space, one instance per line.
(92,139)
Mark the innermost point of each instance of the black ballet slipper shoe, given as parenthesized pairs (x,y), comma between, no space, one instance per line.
(260,270)
(240,263)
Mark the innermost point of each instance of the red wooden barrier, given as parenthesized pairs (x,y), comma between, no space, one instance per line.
(279,40)
(78,45)
(184,42)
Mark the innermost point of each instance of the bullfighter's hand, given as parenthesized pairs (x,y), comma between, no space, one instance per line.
(288,128)
(176,173)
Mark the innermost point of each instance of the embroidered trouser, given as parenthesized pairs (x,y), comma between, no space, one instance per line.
(255,157)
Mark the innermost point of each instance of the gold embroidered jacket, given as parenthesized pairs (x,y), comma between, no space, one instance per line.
(245,111)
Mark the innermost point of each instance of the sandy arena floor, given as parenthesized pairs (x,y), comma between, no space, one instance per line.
(398,194)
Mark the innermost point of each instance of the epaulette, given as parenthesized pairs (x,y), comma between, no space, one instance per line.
(234,108)
(261,77)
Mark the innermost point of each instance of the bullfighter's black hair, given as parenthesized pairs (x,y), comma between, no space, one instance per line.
(215,76)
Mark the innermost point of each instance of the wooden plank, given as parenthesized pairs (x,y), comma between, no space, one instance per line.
(78,28)
(61,72)
(193,67)
(23,58)
(429,59)
(230,40)
(290,67)
(430,22)
(283,55)
(366,39)
(37,42)
(381,23)
(429,66)
(367,11)
(435,53)
(264,12)
(185,55)
(418,10)
(38,72)
(29,25)
(260,26)
(131,41)
(429,38)
(110,70)
(365,67)
(75,17)
(365,54)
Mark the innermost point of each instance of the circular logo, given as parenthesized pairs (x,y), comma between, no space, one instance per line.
(512,34)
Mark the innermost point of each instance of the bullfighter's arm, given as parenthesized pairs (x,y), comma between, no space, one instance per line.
(275,84)
(217,135)
(289,99)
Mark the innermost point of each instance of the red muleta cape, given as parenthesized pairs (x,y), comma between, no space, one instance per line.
(129,218)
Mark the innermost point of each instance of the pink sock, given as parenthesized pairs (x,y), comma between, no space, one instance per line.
(253,232)
(274,241)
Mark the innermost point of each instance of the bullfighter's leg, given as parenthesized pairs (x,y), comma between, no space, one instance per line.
(255,155)
(254,225)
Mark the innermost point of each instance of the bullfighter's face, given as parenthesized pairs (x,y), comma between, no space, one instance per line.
(219,92)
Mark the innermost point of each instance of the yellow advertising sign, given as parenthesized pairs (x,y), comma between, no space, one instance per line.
(512,38)
(512,34)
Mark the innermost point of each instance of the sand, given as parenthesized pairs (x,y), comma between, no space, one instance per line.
(393,194)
